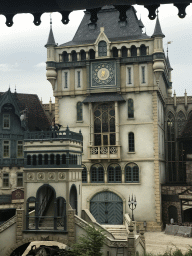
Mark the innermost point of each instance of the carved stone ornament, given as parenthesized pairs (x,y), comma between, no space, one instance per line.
(40,176)
(30,176)
(51,176)
(62,175)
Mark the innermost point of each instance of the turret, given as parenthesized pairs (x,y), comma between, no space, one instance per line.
(158,65)
(51,70)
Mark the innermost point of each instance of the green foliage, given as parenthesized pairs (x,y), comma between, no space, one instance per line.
(89,244)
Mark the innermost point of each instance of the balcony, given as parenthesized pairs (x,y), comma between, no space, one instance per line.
(104,152)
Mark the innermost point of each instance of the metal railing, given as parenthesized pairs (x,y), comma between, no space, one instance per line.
(46,223)
(53,135)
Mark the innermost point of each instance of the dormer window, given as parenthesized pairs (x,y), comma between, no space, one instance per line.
(6,121)
(102,48)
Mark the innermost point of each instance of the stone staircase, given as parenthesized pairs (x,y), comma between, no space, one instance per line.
(118,231)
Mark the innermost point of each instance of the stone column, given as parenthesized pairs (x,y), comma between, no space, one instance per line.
(129,52)
(131,241)
(19,224)
(138,51)
(88,177)
(105,176)
(117,123)
(78,56)
(119,52)
(69,56)
(91,139)
(87,55)
(71,226)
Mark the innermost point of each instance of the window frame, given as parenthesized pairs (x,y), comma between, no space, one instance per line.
(101,53)
(131,166)
(128,109)
(128,82)
(4,180)
(19,178)
(4,120)
(115,174)
(78,85)
(131,145)
(77,118)
(6,145)
(143,80)
(64,73)
(97,174)
(20,156)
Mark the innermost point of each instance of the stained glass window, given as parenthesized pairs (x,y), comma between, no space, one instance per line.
(79,111)
(131,173)
(66,79)
(129,75)
(78,79)
(143,74)
(102,48)
(130,108)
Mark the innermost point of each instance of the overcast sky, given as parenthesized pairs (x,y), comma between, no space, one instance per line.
(23,55)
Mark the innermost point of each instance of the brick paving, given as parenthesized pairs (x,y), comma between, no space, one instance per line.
(158,242)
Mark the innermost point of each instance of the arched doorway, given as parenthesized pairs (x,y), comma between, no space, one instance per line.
(73,197)
(107,208)
(172,211)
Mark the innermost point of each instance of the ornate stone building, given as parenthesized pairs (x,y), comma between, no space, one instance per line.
(112,81)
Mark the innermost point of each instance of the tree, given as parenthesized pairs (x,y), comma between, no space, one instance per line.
(89,244)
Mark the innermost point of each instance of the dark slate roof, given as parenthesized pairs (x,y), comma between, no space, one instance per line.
(51,39)
(108,17)
(36,117)
(158,31)
(103,97)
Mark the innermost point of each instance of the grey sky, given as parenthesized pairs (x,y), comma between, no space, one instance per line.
(23,55)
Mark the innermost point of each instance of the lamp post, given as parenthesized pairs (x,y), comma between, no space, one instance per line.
(132,205)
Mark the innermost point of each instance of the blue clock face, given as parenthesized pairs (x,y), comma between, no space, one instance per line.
(103,74)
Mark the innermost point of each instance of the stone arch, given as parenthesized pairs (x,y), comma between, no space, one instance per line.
(107,207)
(73,198)
(33,239)
(189,116)
(173,213)
(133,51)
(143,50)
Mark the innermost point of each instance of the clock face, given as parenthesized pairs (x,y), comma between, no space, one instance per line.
(103,73)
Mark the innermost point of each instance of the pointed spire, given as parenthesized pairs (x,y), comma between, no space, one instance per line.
(51,40)
(158,32)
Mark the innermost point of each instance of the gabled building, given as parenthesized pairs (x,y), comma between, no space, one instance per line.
(111,81)
(18,113)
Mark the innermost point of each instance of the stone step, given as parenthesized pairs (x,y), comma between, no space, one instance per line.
(118,231)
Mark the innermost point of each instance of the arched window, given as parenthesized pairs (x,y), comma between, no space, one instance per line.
(131,173)
(124,52)
(83,55)
(40,159)
(46,159)
(131,142)
(143,50)
(28,160)
(171,147)
(130,108)
(97,173)
(115,52)
(63,159)
(84,175)
(65,57)
(102,48)
(181,120)
(52,159)
(114,173)
(79,111)
(133,51)
(34,159)
(57,159)
(74,55)
(91,54)
(73,197)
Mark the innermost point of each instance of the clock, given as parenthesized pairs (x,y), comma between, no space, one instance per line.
(103,73)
